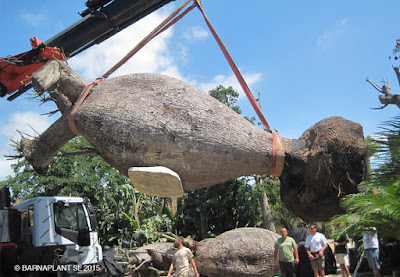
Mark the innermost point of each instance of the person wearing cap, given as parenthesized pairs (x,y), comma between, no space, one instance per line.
(315,245)
(371,250)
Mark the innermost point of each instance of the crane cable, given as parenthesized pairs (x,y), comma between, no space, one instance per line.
(277,157)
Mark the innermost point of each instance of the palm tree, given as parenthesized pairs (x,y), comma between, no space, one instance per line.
(378,203)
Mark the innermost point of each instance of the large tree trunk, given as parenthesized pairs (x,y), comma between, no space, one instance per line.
(239,252)
(151,119)
(147,120)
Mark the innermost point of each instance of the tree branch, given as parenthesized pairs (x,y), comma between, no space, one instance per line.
(89,151)
(375,85)
(388,97)
(396,70)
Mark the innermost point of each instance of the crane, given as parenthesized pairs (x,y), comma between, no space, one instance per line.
(100,20)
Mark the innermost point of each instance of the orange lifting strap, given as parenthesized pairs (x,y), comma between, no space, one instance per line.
(234,68)
(276,167)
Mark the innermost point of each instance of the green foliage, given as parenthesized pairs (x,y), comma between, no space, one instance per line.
(211,211)
(228,96)
(126,214)
(388,153)
(382,208)
(396,48)
(282,216)
(123,210)
(81,175)
(146,214)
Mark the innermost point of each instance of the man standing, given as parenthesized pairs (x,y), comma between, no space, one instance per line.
(341,252)
(286,246)
(315,245)
(182,258)
(371,250)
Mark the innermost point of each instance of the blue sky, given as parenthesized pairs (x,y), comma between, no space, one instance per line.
(307,59)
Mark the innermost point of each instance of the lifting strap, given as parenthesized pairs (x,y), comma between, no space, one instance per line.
(277,148)
(278,152)
(79,101)
(236,71)
(168,22)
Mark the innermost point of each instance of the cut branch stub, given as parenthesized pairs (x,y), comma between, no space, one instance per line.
(147,120)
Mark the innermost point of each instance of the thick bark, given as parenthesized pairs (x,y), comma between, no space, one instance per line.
(239,252)
(64,86)
(150,119)
(57,76)
(147,120)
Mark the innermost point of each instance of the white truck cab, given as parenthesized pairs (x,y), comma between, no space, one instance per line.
(57,220)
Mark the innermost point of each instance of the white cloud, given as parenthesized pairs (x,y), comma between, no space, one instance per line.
(329,37)
(5,168)
(30,123)
(154,57)
(184,51)
(226,81)
(32,19)
(195,33)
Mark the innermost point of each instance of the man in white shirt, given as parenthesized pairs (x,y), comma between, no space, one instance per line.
(182,258)
(315,245)
(371,250)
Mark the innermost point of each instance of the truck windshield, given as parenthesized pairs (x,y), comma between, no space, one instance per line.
(70,217)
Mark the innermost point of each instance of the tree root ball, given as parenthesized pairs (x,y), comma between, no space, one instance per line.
(238,253)
(331,165)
